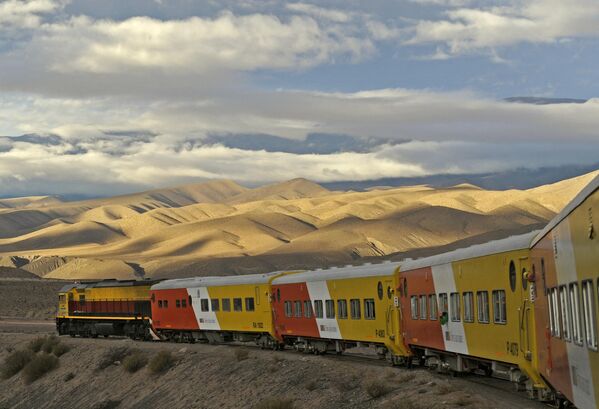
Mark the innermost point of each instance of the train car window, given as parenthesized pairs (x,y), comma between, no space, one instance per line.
(576,323)
(589,314)
(566,312)
(318,308)
(342,309)
(423,309)
(330,308)
(524,280)
(298,309)
(178,303)
(159,303)
(369,312)
(379,290)
(468,307)
(456,314)
(190,301)
(215,304)
(512,273)
(356,313)
(237,305)
(227,304)
(414,307)
(278,294)
(432,300)
(165,303)
(204,305)
(499,307)
(552,312)
(288,309)
(443,307)
(249,304)
(308,313)
(184,303)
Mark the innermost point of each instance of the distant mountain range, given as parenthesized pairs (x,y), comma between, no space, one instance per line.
(545,101)
(222,228)
(520,178)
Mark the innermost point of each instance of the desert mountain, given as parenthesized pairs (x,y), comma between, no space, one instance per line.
(212,228)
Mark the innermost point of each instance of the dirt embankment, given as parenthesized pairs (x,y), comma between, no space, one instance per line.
(207,376)
(28,298)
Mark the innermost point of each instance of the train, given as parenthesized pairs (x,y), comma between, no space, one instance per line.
(522,309)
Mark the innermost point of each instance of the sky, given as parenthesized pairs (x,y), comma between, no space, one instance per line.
(107,97)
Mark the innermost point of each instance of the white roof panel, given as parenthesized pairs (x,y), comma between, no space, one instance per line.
(336,273)
(493,247)
(193,282)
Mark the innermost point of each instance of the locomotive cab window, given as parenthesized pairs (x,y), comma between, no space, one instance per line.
(499,307)
(330,308)
(342,309)
(249,304)
(159,303)
(298,309)
(178,303)
(227,304)
(455,307)
(369,312)
(356,313)
(165,303)
(589,314)
(237,305)
(184,303)
(215,304)
(414,307)
(433,307)
(318,310)
(204,305)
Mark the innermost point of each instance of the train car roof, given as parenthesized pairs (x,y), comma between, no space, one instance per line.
(364,270)
(577,201)
(512,243)
(217,281)
(107,284)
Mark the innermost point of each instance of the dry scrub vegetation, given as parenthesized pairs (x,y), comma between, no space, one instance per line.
(206,376)
(38,358)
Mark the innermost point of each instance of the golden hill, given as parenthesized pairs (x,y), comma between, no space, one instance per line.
(220,227)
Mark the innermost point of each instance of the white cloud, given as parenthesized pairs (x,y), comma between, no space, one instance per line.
(533,21)
(335,15)
(25,13)
(198,45)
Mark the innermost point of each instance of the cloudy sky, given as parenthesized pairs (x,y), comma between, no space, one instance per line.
(105,97)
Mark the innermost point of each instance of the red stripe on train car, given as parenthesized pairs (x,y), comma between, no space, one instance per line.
(166,314)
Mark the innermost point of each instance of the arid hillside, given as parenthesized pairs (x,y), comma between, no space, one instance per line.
(96,374)
(212,228)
